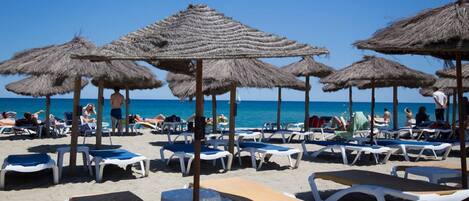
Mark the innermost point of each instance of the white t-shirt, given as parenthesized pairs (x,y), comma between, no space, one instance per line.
(441,98)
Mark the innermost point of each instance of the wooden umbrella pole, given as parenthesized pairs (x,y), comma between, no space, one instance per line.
(99,126)
(47,115)
(199,110)
(350,102)
(453,124)
(214,113)
(127,110)
(306,122)
(372,121)
(279,107)
(232,117)
(75,119)
(395,104)
(461,129)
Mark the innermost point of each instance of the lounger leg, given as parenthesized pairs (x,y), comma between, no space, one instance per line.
(344,155)
(303,145)
(289,160)
(60,156)
(142,168)
(404,152)
(283,137)
(388,155)
(420,155)
(357,157)
(314,188)
(222,163)
(445,155)
(181,164)
(253,159)
(230,160)
(434,154)
(376,157)
(55,174)
(2,179)
(86,155)
(261,158)
(189,163)
(298,159)
(162,155)
(316,153)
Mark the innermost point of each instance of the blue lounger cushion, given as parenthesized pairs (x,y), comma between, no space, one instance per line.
(28,159)
(189,148)
(120,154)
(329,143)
(261,145)
(403,142)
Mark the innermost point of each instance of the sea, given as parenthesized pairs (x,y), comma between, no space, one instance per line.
(250,114)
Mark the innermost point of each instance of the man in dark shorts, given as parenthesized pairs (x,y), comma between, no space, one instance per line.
(117,100)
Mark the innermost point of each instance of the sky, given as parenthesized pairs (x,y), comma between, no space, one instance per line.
(333,24)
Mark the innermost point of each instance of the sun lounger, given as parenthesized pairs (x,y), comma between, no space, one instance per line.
(28,163)
(182,151)
(379,185)
(421,146)
(119,157)
(343,147)
(265,151)
(435,172)
(116,196)
(243,189)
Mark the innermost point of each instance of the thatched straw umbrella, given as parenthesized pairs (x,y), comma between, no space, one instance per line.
(235,73)
(194,34)
(440,32)
(308,67)
(56,60)
(183,86)
(145,83)
(378,72)
(43,86)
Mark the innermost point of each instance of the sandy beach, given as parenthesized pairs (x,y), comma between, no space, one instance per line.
(275,174)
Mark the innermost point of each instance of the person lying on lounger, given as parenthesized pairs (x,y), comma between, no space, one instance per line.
(155,120)
(6,120)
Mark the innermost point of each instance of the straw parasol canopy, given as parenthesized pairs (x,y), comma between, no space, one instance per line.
(42,86)
(438,32)
(199,33)
(56,60)
(379,72)
(235,73)
(307,67)
(441,32)
(195,33)
(451,72)
(183,86)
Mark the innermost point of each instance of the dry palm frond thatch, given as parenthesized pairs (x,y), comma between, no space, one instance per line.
(199,32)
(438,32)
(308,67)
(40,86)
(55,59)
(147,81)
(375,68)
(451,72)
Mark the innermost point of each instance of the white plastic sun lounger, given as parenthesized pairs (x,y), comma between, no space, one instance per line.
(119,157)
(379,185)
(182,151)
(421,146)
(28,163)
(343,147)
(265,151)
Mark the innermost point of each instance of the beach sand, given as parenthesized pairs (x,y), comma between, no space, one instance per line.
(275,174)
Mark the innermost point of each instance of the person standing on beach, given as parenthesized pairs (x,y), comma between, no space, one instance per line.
(117,100)
(440,104)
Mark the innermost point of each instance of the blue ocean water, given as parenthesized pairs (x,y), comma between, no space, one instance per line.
(250,113)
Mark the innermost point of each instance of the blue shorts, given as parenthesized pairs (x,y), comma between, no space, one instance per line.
(116,113)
